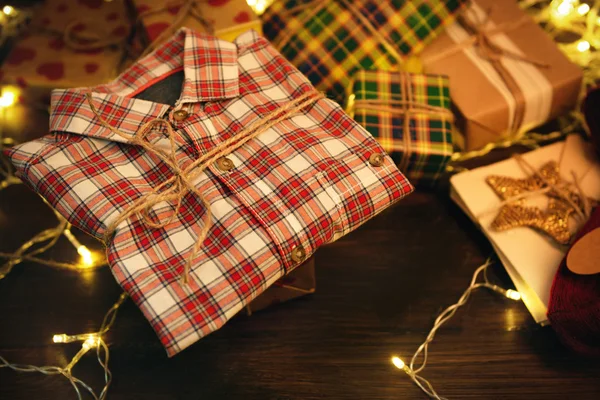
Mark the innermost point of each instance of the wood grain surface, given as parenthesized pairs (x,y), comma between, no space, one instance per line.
(378,292)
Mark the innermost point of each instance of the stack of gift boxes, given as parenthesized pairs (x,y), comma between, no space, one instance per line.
(489,64)
(488,72)
(484,70)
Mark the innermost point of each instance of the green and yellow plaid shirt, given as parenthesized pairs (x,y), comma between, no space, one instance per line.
(392,105)
(329,40)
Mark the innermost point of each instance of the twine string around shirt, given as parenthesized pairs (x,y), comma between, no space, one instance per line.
(187,8)
(174,189)
(409,108)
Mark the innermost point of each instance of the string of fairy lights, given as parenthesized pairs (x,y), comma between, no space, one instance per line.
(13,21)
(575,26)
(579,19)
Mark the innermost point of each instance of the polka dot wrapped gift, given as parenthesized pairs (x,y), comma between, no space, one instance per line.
(69,44)
(226,19)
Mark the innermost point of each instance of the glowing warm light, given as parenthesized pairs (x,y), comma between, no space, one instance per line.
(259,6)
(398,363)
(513,295)
(86,256)
(59,338)
(565,8)
(90,338)
(91,342)
(8,10)
(583,45)
(8,98)
(583,9)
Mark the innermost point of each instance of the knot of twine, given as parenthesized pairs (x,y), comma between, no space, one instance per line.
(569,192)
(408,107)
(181,183)
(187,8)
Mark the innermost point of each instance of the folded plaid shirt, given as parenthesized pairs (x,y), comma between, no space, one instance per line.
(306,181)
(330,40)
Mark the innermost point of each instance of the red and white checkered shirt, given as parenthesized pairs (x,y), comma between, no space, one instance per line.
(305,182)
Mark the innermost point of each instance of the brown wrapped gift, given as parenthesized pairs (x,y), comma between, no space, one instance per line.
(299,282)
(506,74)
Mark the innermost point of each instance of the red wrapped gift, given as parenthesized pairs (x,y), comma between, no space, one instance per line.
(69,44)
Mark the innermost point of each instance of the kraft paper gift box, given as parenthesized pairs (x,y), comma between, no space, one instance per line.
(410,116)
(227,18)
(300,282)
(330,40)
(69,44)
(507,75)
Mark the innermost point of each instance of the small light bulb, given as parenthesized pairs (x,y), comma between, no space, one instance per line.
(59,338)
(564,8)
(8,10)
(86,256)
(91,342)
(583,46)
(259,6)
(583,9)
(7,99)
(513,294)
(398,363)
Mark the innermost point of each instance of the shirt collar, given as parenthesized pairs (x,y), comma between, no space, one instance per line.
(211,73)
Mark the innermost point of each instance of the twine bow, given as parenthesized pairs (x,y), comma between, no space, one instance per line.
(408,108)
(187,8)
(174,189)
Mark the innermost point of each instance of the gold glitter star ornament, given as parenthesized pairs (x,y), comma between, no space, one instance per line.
(563,201)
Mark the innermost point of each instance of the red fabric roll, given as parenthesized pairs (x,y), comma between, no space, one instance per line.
(574,309)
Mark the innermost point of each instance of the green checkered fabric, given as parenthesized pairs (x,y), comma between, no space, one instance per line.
(329,40)
(377,103)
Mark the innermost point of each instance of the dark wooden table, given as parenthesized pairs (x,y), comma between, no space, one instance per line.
(379,290)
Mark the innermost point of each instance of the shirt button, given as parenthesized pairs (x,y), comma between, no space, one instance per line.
(298,254)
(180,115)
(376,159)
(225,164)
